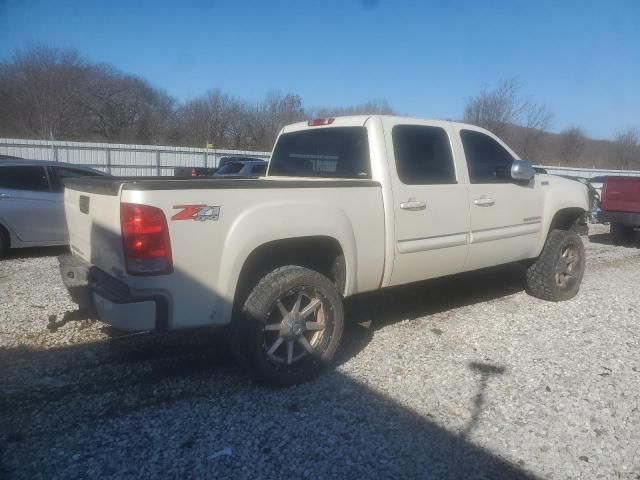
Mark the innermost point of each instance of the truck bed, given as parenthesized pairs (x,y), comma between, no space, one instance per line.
(207,257)
(621,194)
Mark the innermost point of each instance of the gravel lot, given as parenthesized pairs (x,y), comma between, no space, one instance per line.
(463,377)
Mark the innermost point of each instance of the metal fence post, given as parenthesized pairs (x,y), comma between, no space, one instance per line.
(108,154)
(55,153)
(158,171)
(205,159)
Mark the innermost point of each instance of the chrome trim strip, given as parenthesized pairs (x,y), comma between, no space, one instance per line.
(498,233)
(432,243)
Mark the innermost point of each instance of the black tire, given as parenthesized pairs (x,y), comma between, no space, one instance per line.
(621,234)
(254,334)
(4,242)
(557,273)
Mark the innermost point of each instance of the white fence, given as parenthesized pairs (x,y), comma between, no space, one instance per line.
(120,159)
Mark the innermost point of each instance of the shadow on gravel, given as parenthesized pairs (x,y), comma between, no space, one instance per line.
(153,406)
(35,252)
(147,408)
(369,312)
(606,239)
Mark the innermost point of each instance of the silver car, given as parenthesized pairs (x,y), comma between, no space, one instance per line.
(31,202)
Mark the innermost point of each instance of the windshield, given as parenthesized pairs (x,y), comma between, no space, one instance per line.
(338,152)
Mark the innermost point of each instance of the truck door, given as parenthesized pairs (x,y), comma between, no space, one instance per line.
(506,216)
(429,201)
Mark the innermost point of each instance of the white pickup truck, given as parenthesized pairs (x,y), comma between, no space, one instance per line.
(349,205)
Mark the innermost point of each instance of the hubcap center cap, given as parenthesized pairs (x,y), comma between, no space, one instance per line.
(293,325)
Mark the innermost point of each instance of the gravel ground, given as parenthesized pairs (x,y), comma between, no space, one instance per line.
(463,377)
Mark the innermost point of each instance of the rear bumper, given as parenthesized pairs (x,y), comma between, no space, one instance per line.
(630,219)
(108,299)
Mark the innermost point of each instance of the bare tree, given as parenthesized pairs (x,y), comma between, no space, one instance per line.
(39,90)
(497,109)
(505,112)
(371,107)
(572,144)
(628,148)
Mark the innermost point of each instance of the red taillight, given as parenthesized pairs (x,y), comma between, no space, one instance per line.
(194,173)
(145,238)
(317,122)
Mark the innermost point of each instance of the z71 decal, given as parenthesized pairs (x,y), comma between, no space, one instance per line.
(200,213)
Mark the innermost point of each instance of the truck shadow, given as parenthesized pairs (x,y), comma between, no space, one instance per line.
(607,239)
(86,399)
(369,312)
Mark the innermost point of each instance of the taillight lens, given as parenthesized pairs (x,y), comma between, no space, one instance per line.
(145,237)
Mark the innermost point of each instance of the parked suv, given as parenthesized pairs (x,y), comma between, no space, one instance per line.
(32,202)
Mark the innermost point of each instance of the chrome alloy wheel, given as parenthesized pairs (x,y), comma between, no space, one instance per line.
(567,265)
(300,328)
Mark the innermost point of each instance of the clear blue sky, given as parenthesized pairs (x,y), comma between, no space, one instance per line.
(580,58)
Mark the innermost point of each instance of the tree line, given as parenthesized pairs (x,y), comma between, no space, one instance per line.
(48,93)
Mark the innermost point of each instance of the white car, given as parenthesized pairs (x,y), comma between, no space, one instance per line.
(349,205)
(32,202)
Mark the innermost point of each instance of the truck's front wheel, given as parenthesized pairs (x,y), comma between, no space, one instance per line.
(557,273)
(290,326)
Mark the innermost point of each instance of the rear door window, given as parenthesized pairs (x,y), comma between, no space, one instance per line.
(32,178)
(336,152)
(423,155)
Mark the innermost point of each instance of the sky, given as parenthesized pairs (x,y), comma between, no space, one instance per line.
(426,58)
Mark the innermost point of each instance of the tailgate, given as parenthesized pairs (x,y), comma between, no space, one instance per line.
(621,194)
(93,219)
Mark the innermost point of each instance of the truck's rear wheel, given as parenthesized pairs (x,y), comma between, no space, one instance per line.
(290,326)
(621,234)
(557,273)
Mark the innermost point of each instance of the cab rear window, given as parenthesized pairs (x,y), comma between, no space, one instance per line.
(337,152)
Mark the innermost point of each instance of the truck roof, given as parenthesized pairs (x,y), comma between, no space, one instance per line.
(360,120)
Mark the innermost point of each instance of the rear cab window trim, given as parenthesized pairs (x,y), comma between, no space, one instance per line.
(293,148)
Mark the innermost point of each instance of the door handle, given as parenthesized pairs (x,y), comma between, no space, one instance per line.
(484,202)
(413,205)
(3,195)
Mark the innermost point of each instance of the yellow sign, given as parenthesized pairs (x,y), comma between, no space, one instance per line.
(209,145)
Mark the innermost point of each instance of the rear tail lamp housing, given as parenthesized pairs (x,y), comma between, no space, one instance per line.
(145,240)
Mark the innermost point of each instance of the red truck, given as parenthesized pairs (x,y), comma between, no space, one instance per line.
(621,207)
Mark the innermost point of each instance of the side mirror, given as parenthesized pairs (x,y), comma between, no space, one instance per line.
(522,170)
